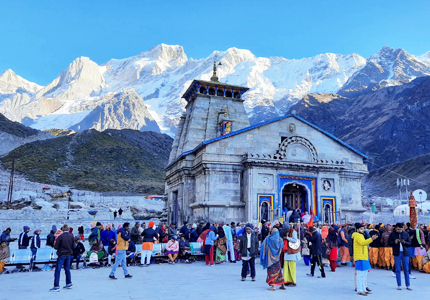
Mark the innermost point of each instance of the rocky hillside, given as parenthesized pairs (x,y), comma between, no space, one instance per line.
(14,134)
(382,182)
(113,160)
(389,125)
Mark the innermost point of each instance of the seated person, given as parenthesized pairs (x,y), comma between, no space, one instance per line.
(4,255)
(172,249)
(426,262)
(97,248)
(184,249)
(131,253)
(77,252)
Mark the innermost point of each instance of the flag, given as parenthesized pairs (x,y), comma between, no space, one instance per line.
(311,221)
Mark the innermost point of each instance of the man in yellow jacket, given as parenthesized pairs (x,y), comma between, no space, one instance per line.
(123,237)
(361,257)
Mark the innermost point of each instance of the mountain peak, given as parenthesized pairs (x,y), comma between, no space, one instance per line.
(165,52)
(11,83)
(387,53)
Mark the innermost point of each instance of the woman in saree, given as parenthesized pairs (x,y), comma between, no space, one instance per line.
(270,258)
(220,245)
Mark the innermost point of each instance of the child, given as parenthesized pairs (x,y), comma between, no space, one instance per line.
(4,255)
(77,252)
(236,247)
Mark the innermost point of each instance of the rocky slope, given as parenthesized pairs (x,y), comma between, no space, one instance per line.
(113,160)
(389,125)
(382,182)
(13,135)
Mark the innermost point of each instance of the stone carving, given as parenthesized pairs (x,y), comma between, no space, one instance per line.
(297,148)
(326,185)
(291,128)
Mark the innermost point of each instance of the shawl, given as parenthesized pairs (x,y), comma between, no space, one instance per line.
(59,232)
(203,234)
(324,232)
(4,254)
(271,249)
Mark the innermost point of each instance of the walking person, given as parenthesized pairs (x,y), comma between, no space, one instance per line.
(120,212)
(270,258)
(149,237)
(248,252)
(291,255)
(123,238)
(400,241)
(65,245)
(209,245)
(115,213)
(314,237)
(332,243)
(361,257)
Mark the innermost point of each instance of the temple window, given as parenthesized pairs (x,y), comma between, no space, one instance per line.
(220,93)
(212,91)
(202,90)
(228,94)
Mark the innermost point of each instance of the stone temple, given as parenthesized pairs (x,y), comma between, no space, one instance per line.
(221,168)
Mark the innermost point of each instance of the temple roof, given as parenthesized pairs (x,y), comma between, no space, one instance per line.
(204,143)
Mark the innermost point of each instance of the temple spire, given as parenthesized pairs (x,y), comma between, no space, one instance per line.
(214,76)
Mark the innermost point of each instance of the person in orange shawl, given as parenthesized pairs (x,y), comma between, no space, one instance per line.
(388,250)
(426,262)
(374,246)
(344,250)
(324,234)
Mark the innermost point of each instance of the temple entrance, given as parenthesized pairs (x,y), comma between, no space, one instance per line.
(295,196)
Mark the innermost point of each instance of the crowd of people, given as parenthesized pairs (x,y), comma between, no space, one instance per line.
(278,245)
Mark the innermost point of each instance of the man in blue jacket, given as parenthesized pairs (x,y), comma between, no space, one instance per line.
(5,236)
(106,236)
(400,241)
(184,231)
(24,240)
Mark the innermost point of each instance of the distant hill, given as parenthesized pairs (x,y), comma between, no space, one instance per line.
(14,134)
(382,182)
(390,125)
(112,160)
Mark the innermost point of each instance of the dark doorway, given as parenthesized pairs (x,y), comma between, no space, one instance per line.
(295,196)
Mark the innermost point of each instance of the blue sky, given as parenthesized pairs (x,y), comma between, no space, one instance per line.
(38,39)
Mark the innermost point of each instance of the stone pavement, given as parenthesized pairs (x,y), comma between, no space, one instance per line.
(198,281)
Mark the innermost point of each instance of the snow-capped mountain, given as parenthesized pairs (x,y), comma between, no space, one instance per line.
(388,67)
(12,83)
(125,109)
(161,74)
